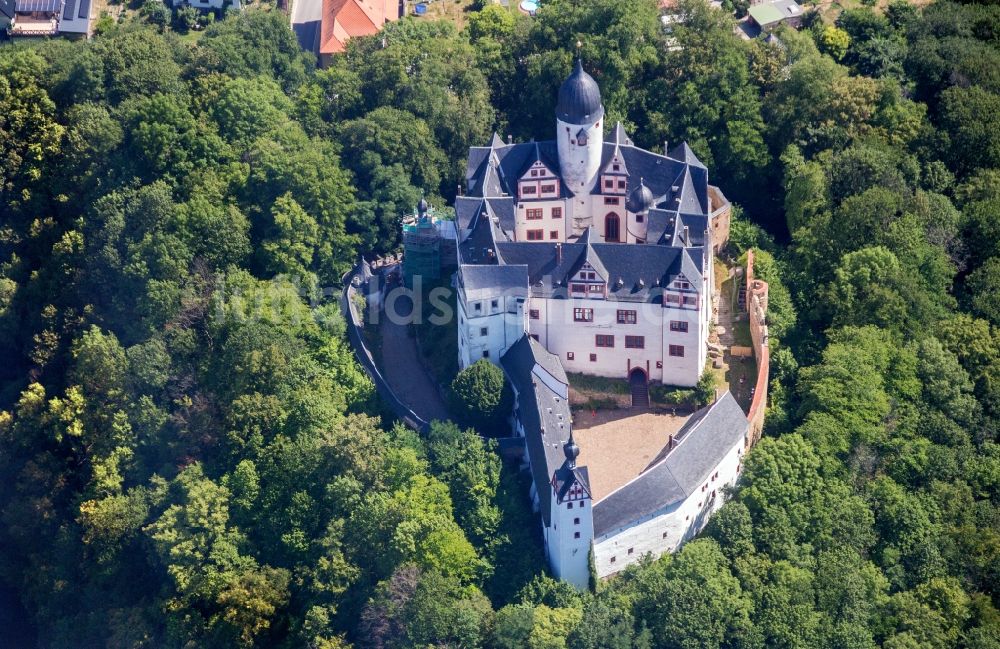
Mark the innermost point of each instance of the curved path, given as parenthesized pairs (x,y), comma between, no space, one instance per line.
(402,367)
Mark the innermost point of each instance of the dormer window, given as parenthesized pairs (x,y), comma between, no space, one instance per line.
(616,167)
(581,138)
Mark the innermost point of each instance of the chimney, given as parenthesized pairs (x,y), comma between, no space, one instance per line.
(459,189)
(687,241)
(666,148)
(510,139)
(558,253)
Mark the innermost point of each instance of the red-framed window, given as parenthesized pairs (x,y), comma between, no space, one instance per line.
(536,235)
(578,288)
(676,350)
(557,212)
(570,356)
(583,315)
(604,340)
(553,234)
(533,215)
(593,358)
(533,314)
(626,316)
(635,342)
(679,326)
(548,189)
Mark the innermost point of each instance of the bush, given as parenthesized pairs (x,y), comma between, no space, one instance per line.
(481,398)
(704,391)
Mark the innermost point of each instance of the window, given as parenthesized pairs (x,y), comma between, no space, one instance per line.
(659,365)
(486,353)
(534,172)
(612,559)
(578,288)
(630,550)
(484,331)
(557,212)
(576,535)
(593,358)
(548,189)
(596,288)
(679,326)
(690,300)
(611,227)
(621,184)
(664,535)
(635,342)
(616,167)
(553,234)
(569,505)
(535,235)
(639,218)
(626,317)
(494,304)
(609,184)
(528,189)
(590,275)
(583,315)
(676,350)
(478,306)
(533,314)
(609,200)
(534,215)
(602,340)
(570,356)
(672,299)
(535,336)
(581,139)
(576,521)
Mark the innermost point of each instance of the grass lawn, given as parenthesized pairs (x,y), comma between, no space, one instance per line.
(741,333)
(586,383)
(456,11)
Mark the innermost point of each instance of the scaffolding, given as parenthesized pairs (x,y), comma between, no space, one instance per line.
(421,249)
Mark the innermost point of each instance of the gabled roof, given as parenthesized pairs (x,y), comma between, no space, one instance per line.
(676,472)
(481,281)
(543,413)
(344,19)
(43,6)
(618,135)
(683,153)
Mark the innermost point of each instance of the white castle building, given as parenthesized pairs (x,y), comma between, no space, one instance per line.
(595,256)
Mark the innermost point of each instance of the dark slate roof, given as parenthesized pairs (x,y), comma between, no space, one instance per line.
(28,6)
(7,8)
(579,98)
(481,281)
(642,269)
(676,473)
(684,153)
(618,135)
(545,416)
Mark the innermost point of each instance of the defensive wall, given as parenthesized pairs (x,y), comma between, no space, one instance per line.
(756,304)
(354,324)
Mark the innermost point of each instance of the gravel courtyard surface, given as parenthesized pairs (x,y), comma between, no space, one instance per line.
(616,445)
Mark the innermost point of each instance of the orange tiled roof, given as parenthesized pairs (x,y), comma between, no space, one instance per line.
(343,19)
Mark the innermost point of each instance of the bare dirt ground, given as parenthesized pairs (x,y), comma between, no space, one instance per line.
(616,445)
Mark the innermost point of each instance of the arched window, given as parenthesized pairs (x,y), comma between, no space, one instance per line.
(611,227)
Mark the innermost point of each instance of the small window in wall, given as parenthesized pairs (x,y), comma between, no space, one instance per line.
(639,218)
(478,306)
(621,184)
(593,358)
(609,184)
(659,365)
(486,353)
(664,535)
(576,535)
(553,234)
(630,550)
(583,315)
(616,167)
(626,317)
(533,314)
(570,356)
(676,350)
(548,189)
(557,212)
(494,304)
(687,518)
(608,200)
(679,326)
(534,172)
(569,505)
(576,521)
(612,560)
(533,215)
(602,340)
(535,235)
(484,331)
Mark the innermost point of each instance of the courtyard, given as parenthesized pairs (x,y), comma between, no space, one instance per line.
(617,445)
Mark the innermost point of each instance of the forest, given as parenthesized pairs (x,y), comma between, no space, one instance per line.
(190,456)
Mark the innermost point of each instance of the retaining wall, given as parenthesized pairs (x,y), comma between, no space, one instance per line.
(756,292)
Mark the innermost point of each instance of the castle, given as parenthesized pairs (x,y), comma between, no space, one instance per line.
(595,256)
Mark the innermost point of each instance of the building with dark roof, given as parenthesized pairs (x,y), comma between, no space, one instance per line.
(595,256)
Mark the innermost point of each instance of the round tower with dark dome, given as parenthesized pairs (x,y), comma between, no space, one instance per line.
(579,130)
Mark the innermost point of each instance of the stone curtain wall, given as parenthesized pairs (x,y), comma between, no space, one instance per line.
(756,293)
(367,361)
